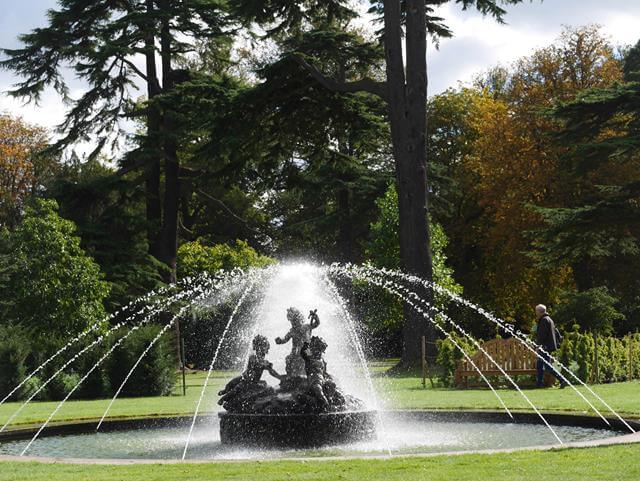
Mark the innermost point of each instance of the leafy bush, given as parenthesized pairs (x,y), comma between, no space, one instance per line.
(48,285)
(97,384)
(449,355)
(618,359)
(14,350)
(156,373)
(195,257)
(595,309)
(61,385)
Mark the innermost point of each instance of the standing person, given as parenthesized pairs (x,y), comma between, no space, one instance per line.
(547,340)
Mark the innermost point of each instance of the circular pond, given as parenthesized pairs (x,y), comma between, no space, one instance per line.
(398,434)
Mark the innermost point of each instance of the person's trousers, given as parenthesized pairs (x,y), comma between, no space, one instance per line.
(542,366)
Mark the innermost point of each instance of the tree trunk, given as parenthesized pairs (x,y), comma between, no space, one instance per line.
(407,100)
(151,150)
(168,245)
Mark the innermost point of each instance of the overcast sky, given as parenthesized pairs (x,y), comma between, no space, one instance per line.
(478,44)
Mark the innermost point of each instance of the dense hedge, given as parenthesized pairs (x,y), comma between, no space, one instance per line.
(156,373)
(618,358)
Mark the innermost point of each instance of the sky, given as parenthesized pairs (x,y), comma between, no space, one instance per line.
(478,43)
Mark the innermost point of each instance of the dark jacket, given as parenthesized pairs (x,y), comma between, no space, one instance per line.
(546,335)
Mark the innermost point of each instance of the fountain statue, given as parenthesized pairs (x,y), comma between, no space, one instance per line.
(307,409)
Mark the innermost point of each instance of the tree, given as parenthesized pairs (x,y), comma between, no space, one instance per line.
(109,212)
(597,232)
(405,92)
(594,310)
(513,162)
(384,249)
(196,258)
(382,310)
(22,166)
(325,153)
(102,41)
(48,285)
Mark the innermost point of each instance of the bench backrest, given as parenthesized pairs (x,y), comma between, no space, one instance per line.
(510,354)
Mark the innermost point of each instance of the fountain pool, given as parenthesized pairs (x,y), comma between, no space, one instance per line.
(261,299)
(406,433)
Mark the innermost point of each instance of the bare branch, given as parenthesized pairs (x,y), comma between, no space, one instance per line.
(363,85)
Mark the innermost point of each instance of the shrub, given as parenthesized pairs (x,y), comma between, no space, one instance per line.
(156,373)
(618,359)
(48,284)
(195,257)
(449,355)
(61,385)
(14,350)
(97,384)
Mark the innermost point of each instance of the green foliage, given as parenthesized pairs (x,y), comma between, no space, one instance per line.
(14,349)
(97,384)
(618,358)
(384,247)
(449,355)
(383,310)
(61,385)
(156,373)
(595,310)
(98,36)
(195,258)
(577,352)
(48,285)
(109,213)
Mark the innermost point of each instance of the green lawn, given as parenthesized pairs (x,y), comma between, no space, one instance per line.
(607,463)
(396,392)
(619,463)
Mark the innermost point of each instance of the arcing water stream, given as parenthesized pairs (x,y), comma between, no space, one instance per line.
(305,286)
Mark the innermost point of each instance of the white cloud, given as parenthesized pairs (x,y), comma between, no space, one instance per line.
(480,42)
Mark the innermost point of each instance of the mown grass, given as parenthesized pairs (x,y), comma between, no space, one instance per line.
(396,393)
(615,463)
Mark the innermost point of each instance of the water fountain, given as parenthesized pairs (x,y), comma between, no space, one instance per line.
(305,387)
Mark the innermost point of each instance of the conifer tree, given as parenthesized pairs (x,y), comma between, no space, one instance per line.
(405,26)
(115,47)
(598,231)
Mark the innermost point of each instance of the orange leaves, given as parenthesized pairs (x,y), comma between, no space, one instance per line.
(20,145)
(514,160)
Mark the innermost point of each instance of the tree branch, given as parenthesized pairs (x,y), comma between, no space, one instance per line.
(228,210)
(132,66)
(363,85)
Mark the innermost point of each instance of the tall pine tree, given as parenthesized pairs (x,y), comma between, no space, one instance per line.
(114,47)
(598,232)
(406,24)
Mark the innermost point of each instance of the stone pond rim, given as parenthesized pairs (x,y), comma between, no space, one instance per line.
(296,430)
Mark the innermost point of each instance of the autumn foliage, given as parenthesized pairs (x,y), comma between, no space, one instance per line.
(21,165)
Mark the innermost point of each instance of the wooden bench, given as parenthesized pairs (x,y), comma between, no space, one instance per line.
(512,356)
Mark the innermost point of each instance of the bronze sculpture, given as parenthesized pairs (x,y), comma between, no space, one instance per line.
(307,387)
(306,409)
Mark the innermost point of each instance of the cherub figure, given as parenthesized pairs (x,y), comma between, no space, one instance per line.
(300,333)
(320,382)
(249,383)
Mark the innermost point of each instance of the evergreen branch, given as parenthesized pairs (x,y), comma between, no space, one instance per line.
(228,210)
(131,65)
(363,85)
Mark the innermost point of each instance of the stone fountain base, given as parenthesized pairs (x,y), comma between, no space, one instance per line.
(296,430)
